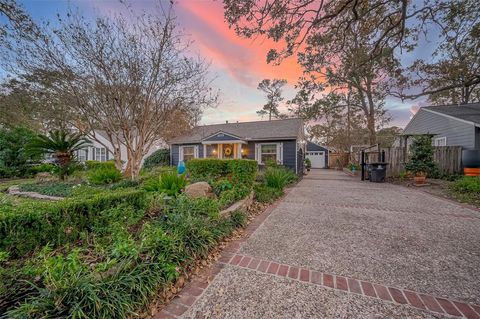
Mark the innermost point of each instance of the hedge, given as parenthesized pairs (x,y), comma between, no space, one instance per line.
(93,165)
(238,170)
(32,224)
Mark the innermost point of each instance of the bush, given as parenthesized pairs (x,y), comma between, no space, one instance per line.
(13,157)
(41,168)
(160,157)
(266,194)
(93,165)
(308,163)
(237,170)
(196,206)
(126,183)
(279,177)
(221,185)
(421,157)
(49,189)
(31,224)
(169,183)
(467,184)
(104,175)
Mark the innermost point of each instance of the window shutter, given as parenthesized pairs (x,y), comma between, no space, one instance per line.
(280,153)
(195,152)
(258,155)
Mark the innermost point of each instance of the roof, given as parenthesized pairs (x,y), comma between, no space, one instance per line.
(465,112)
(313,146)
(258,130)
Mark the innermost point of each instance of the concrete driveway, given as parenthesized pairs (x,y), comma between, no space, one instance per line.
(336,247)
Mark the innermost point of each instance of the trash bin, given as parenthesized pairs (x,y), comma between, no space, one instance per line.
(378,172)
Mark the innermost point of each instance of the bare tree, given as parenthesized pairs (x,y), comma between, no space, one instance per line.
(131,76)
(273,89)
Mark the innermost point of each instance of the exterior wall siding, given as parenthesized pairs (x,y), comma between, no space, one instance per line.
(289,152)
(458,133)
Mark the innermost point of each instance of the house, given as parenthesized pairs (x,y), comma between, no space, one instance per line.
(317,154)
(450,125)
(279,140)
(102,150)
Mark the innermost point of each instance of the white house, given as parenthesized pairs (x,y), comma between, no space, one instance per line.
(98,152)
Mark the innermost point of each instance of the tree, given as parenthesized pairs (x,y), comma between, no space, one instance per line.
(131,76)
(387,136)
(17,21)
(61,144)
(273,89)
(341,44)
(13,158)
(297,22)
(453,77)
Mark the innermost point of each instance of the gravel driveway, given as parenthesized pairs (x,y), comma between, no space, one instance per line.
(378,235)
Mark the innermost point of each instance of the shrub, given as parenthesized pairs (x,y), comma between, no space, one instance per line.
(93,165)
(50,189)
(467,184)
(160,157)
(41,168)
(308,163)
(126,183)
(196,206)
(221,185)
(266,194)
(237,170)
(104,175)
(279,177)
(31,224)
(169,183)
(421,157)
(13,157)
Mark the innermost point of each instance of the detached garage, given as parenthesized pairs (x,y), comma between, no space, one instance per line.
(317,154)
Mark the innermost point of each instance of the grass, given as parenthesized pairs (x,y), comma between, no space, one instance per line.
(467,190)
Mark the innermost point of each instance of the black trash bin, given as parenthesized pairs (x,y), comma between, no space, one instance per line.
(378,172)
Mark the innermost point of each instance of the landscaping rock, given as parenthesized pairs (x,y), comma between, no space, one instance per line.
(14,190)
(198,190)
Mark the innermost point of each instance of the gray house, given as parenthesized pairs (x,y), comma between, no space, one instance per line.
(451,125)
(279,140)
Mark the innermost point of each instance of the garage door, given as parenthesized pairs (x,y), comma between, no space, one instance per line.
(317,159)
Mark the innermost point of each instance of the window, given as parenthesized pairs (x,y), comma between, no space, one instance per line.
(82,155)
(100,154)
(269,152)
(440,141)
(188,152)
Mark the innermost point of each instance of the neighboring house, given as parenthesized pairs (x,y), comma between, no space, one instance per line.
(98,152)
(279,140)
(317,154)
(450,125)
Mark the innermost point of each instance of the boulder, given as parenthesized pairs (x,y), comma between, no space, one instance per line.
(43,177)
(200,189)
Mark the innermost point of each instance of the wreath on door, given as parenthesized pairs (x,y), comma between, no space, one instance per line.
(228,151)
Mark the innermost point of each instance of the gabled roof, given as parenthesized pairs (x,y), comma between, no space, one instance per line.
(258,130)
(464,112)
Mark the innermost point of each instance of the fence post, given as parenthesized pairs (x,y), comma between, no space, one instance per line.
(363,165)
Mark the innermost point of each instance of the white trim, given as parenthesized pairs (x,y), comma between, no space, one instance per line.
(438,139)
(258,154)
(224,142)
(204,151)
(221,132)
(181,154)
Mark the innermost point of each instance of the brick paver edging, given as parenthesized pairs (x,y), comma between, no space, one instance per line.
(351,285)
(194,289)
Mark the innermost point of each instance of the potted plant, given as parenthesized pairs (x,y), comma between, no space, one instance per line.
(308,164)
(421,162)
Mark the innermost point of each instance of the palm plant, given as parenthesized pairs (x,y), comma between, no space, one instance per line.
(61,144)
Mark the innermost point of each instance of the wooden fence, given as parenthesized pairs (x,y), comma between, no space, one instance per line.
(448,159)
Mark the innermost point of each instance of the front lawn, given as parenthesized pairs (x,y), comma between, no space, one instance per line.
(106,250)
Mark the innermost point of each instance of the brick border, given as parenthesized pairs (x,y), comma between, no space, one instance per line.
(394,295)
(195,288)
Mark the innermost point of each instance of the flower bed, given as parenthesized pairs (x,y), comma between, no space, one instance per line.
(105,252)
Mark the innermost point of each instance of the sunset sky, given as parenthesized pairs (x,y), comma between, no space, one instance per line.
(238,64)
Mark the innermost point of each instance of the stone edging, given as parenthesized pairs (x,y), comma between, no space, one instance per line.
(14,190)
(241,204)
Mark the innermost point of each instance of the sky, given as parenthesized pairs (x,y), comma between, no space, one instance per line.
(237,64)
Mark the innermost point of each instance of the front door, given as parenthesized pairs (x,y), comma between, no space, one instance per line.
(228,150)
